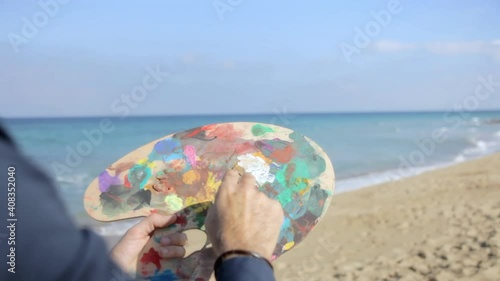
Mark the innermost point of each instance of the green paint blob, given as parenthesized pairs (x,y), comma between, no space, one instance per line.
(280,176)
(285,197)
(174,202)
(315,163)
(259,129)
(301,168)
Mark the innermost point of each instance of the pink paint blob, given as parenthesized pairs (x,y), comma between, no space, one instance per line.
(190,153)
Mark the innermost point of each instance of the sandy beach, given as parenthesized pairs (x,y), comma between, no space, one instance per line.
(438,226)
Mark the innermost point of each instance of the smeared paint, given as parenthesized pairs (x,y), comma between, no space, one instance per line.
(126,182)
(137,200)
(212,184)
(257,167)
(167,146)
(259,129)
(174,202)
(283,155)
(316,202)
(106,180)
(181,220)
(139,175)
(316,164)
(191,176)
(288,245)
(190,153)
(225,132)
(191,201)
(245,147)
(167,275)
(152,257)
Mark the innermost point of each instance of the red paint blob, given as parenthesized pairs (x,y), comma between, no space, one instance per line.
(245,147)
(126,182)
(153,257)
(223,132)
(181,220)
(283,155)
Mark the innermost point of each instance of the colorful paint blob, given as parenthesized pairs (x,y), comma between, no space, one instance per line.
(181,173)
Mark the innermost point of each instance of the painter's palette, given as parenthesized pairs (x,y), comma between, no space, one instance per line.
(181,173)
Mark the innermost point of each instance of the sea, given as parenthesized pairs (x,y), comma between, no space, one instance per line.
(365,148)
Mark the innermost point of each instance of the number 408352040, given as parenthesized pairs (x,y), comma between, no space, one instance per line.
(11,189)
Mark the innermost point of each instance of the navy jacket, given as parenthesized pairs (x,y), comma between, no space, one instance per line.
(49,246)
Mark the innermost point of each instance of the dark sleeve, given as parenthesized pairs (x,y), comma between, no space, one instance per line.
(244,269)
(46,244)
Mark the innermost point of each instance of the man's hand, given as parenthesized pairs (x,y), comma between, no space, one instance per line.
(126,252)
(243,218)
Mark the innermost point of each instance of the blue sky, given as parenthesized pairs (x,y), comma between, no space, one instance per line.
(252,57)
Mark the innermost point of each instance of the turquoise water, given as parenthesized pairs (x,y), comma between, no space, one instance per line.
(365,148)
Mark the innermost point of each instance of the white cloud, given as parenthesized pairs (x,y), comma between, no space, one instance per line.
(456,48)
(491,48)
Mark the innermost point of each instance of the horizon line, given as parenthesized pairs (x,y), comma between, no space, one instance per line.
(250,114)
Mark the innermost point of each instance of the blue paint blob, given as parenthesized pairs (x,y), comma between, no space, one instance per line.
(167,146)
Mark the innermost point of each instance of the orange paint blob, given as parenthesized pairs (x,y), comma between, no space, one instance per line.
(126,182)
(244,147)
(283,155)
(224,132)
(191,177)
(263,157)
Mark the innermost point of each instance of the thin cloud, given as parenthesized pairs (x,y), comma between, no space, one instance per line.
(491,48)
(457,48)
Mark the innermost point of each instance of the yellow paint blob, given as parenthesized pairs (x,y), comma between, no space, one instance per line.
(191,201)
(153,164)
(212,185)
(174,202)
(142,161)
(288,245)
(263,157)
(190,177)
